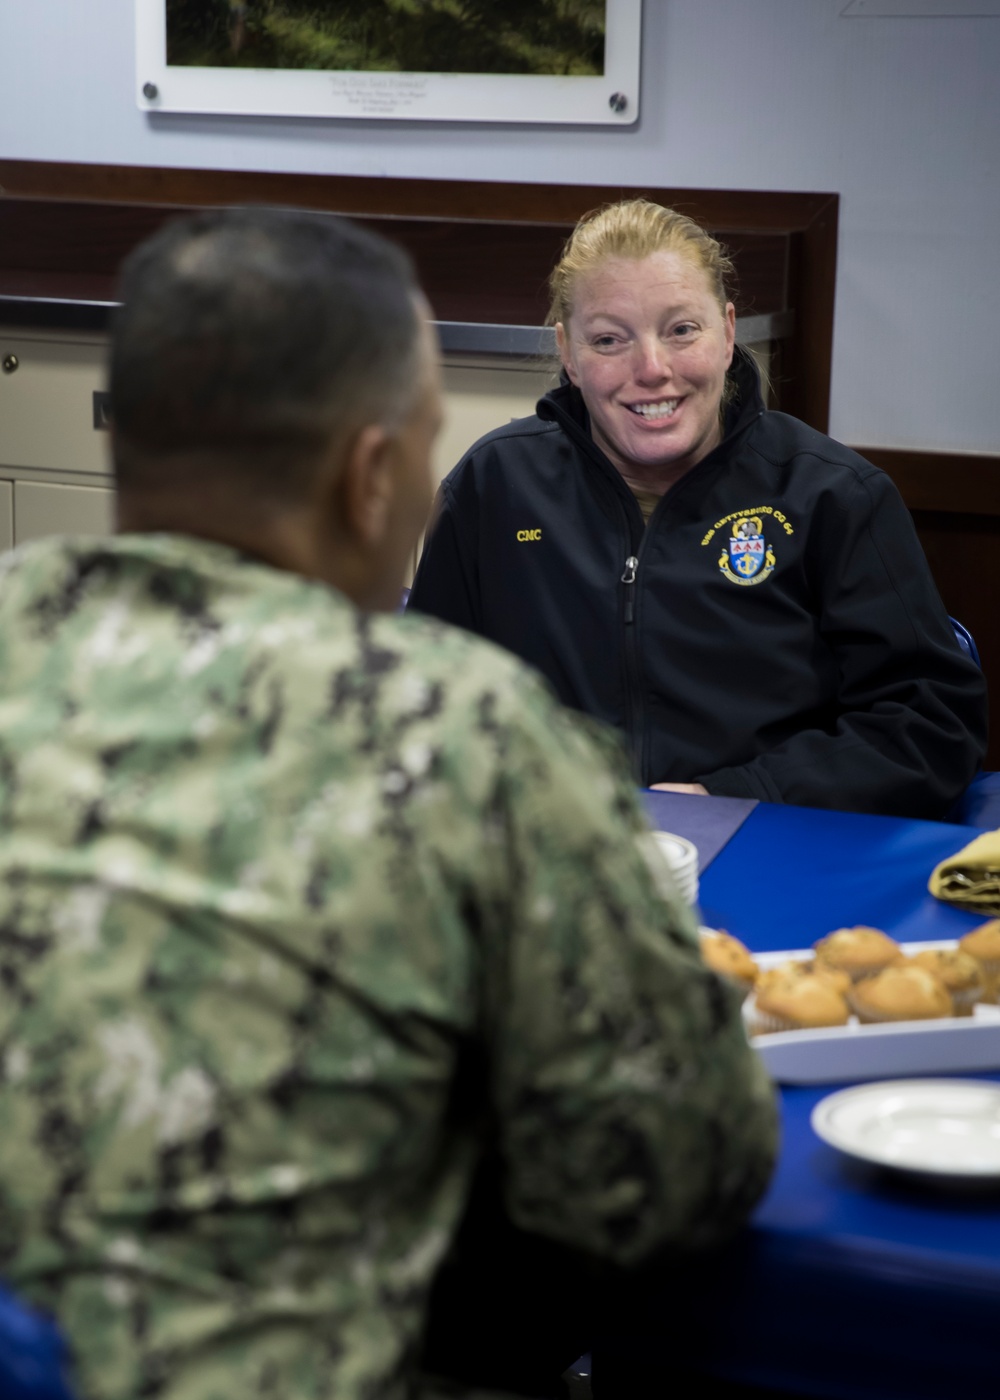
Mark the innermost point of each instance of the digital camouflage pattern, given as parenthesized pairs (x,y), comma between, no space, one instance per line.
(293,898)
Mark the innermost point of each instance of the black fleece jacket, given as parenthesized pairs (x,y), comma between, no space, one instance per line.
(774,631)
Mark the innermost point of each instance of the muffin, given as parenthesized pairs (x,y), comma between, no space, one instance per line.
(729,957)
(983,944)
(796,968)
(959,972)
(903,992)
(796,1003)
(860,952)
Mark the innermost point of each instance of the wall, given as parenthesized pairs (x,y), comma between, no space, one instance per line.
(900,116)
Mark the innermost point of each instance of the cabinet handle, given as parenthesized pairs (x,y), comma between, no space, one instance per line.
(102,410)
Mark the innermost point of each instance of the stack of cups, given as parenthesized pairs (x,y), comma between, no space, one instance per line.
(682,857)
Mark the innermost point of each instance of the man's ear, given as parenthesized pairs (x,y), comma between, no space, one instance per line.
(366,484)
(562,345)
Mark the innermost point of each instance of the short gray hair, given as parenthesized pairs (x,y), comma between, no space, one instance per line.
(256,335)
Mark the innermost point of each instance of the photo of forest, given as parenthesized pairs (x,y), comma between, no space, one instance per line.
(409,36)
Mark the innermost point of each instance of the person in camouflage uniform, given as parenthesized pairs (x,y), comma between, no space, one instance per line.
(306,905)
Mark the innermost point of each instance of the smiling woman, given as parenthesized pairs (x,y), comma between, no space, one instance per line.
(646,331)
(648,347)
(742,597)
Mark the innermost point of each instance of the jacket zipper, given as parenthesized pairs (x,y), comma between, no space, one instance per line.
(628,578)
(634,717)
(635,710)
(633,698)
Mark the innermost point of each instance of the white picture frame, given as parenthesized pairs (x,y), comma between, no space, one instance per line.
(611,99)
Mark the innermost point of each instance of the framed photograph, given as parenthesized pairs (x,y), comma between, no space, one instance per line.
(573,61)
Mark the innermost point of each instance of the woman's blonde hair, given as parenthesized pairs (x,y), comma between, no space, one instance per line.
(636,228)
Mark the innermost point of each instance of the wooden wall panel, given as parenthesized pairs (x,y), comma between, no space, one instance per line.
(758,210)
(492,272)
(955,483)
(484,250)
(962,551)
(954,499)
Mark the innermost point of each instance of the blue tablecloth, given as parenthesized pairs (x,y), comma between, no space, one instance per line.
(862,1284)
(708,824)
(793,874)
(851,1282)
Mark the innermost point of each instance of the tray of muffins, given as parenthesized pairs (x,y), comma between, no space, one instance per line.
(859,1005)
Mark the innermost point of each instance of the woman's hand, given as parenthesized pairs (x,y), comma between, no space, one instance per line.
(680,787)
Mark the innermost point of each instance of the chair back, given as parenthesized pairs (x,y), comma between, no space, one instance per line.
(965,640)
(34,1358)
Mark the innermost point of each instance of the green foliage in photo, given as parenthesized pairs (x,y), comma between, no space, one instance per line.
(409,36)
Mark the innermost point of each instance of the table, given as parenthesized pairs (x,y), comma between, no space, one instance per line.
(850,1282)
(793,874)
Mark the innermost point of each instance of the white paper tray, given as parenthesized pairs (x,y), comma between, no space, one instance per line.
(838,1053)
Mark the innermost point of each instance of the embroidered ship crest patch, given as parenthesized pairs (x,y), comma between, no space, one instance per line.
(748,558)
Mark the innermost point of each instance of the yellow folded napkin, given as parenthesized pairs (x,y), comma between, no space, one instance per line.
(972,875)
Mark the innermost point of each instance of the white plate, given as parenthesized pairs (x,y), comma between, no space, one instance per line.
(938,1127)
(951,1045)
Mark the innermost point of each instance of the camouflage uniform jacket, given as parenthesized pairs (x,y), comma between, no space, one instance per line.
(295,899)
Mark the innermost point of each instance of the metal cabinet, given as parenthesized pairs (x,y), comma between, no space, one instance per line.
(54,508)
(55,473)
